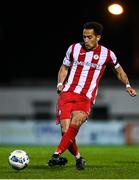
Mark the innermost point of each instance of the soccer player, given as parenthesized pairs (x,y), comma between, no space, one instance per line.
(78,80)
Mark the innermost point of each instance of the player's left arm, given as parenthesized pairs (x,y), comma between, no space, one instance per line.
(122,76)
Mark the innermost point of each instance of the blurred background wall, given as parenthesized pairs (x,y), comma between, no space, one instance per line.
(33,42)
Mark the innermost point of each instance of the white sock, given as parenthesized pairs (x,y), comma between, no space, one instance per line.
(56,153)
(77,156)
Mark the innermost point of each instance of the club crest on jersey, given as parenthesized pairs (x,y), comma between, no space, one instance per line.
(96,56)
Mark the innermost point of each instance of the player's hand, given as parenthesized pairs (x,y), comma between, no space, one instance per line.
(131,91)
(59,88)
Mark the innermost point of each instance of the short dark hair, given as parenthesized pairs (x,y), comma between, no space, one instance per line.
(96,26)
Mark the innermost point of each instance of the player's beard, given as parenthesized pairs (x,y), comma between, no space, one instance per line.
(91,45)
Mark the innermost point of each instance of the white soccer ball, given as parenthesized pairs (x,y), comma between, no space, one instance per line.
(18,159)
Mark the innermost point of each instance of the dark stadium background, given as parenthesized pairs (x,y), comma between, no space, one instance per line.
(34,36)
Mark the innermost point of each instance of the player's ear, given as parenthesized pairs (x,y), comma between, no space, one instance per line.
(98,37)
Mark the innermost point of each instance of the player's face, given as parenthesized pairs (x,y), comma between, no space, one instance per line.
(90,38)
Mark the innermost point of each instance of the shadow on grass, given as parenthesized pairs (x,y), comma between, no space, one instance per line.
(72,167)
(47,167)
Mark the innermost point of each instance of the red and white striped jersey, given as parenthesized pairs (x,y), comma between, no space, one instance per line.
(87,68)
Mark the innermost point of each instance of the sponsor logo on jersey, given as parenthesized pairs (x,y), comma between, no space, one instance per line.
(92,65)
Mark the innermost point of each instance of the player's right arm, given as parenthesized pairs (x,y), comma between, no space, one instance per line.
(62,74)
(63,71)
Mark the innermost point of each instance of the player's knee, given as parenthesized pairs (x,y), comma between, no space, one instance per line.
(65,125)
(64,129)
(78,118)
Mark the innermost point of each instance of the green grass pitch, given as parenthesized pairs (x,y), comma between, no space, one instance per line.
(102,162)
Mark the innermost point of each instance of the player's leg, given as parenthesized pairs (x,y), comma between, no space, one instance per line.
(73,149)
(80,161)
(56,158)
(63,112)
(68,138)
(78,118)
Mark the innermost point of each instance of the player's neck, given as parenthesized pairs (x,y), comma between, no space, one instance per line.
(92,48)
(95,47)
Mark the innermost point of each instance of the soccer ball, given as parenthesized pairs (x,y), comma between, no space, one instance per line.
(18,159)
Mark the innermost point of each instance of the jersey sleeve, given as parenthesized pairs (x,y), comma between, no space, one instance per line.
(67,58)
(113,60)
